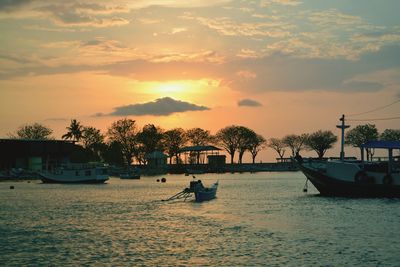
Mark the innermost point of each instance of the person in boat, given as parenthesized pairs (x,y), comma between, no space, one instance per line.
(298,158)
(200,184)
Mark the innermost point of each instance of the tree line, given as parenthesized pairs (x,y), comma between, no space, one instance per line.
(320,141)
(124,142)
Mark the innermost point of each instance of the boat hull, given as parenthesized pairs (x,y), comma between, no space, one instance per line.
(75,176)
(129,176)
(88,181)
(328,186)
(205,194)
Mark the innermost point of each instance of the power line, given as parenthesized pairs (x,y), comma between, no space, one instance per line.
(379,119)
(376,109)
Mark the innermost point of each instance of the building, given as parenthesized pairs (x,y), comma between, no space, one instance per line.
(156,162)
(38,154)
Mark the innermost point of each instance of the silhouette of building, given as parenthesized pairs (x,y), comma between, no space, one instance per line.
(38,154)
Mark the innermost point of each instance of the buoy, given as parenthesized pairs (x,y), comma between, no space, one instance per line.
(163,180)
(11,187)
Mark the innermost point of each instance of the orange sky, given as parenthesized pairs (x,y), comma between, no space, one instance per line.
(299,64)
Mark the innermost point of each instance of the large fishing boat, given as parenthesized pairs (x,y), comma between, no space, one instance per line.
(76,173)
(353,178)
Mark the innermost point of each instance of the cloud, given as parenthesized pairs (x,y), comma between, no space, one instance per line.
(84,14)
(160,107)
(12,5)
(249,103)
(229,27)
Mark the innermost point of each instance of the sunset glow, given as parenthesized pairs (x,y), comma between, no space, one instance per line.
(276,66)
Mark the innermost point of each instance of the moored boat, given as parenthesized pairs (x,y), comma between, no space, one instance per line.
(76,173)
(130,174)
(356,178)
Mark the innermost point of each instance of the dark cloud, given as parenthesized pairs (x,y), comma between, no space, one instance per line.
(159,107)
(12,5)
(79,14)
(249,103)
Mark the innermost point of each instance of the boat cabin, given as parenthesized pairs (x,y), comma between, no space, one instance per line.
(391,165)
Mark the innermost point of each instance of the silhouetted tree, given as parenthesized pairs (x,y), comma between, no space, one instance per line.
(174,140)
(35,131)
(93,141)
(390,135)
(150,140)
(278,145)
(256,144)
(74,131)
(113,154)
(245,137)
(124,133)
(360,135)
(228,139)
(320,142)
(295,142)
(198,137)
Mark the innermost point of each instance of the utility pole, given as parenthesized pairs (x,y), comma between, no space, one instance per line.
(342,127)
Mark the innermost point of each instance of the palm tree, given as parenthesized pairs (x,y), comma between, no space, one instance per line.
(75,130)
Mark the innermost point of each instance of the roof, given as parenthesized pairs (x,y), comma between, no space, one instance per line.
(198,148)
(16,140)
(382,144)
(156,155)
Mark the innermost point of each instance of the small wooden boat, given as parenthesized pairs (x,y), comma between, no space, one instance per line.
(200,192)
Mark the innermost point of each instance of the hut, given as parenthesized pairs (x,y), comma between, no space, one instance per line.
(156,161)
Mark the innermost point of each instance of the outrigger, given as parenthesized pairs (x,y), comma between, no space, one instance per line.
(197,188)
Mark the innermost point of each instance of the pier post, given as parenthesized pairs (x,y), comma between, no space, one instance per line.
(342,127)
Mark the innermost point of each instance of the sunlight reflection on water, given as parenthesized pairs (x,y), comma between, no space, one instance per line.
(257,219)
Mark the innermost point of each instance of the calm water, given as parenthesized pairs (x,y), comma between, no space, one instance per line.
(257,219)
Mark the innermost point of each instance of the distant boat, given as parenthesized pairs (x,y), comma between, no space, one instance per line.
(130,174)
(356,178)
(202,193)
(193,171)
(76,173)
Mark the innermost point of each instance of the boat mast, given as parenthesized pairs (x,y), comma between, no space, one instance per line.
(342,127)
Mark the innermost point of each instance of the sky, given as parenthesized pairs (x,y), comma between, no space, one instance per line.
(276,66)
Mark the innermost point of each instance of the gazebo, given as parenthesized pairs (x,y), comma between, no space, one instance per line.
(198,154)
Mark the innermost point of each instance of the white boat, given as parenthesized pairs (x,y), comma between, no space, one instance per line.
(76,173)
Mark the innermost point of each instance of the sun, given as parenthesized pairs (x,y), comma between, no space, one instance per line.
(172,88)
(187,90)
